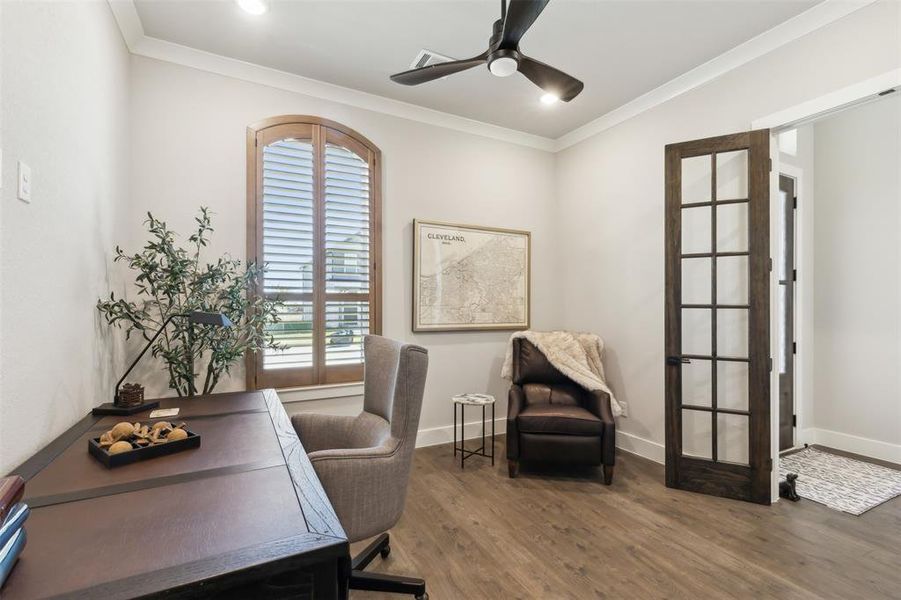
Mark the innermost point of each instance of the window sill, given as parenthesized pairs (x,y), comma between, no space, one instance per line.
(320,392)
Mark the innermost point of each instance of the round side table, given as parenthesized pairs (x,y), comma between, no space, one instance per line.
(464,400)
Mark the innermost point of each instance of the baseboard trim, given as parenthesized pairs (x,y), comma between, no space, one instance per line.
(434,436)
(629,442)
(854,444)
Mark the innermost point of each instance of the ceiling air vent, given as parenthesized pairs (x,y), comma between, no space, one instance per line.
(427,58)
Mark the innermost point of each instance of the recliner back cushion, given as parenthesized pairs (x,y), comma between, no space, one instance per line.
(531,366)
(560,393)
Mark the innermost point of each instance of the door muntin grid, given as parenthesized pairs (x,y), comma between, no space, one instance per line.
(715,309)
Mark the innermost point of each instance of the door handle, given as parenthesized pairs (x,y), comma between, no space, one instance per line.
(675,361)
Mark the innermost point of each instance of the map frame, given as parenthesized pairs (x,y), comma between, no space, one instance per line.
(421,227)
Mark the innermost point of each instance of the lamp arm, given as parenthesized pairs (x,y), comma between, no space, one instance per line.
(143,352)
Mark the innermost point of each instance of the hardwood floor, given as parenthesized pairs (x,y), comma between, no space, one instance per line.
(476,534)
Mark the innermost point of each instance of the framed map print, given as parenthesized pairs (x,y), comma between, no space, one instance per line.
(467,277)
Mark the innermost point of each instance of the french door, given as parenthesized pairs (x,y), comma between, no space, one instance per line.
(717,316)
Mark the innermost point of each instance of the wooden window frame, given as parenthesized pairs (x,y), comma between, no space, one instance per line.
(320,132)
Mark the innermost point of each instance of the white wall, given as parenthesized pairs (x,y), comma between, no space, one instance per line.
(857,349)
(188,132)
(610,193)
(64,112)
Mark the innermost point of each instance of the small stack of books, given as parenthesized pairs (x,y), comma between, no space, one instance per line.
(13,513)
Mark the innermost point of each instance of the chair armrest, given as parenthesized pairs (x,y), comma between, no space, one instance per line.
(322,432)
(362,485)
(516,400)
(598,403)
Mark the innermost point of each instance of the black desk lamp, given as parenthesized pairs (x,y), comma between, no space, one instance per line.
(194,318)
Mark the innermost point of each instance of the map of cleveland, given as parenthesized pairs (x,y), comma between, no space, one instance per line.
(472,277)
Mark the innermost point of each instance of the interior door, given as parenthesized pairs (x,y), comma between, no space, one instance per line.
(787,276)
(717,316)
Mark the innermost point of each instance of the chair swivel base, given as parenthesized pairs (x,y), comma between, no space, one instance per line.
(379,582)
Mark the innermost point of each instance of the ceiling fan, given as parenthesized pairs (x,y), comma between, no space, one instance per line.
(503,56)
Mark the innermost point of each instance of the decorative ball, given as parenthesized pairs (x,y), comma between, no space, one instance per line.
(119,447)
(176,434)
(121,430)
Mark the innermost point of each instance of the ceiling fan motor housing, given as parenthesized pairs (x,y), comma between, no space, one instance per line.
(502,62)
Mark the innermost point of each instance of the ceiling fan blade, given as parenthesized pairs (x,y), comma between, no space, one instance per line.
(437,71)
(551,80)
(519,17)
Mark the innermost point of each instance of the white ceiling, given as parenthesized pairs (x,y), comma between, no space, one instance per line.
(619,48)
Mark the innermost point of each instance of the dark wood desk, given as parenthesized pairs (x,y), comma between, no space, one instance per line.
(228,519)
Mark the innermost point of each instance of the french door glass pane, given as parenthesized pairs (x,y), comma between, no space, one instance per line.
(696,183)
(732,332)
(696,281)
(732,280)
(697,432)
(732,438)
(732,228)
(732,385)
(696,228)
(731,175)
(697,382)
(696,332)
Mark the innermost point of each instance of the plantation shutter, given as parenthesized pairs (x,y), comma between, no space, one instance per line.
(315,211)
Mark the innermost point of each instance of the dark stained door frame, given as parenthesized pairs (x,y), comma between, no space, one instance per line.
(787,282)
(751,482)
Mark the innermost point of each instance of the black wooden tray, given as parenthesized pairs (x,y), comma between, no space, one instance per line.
(138,454)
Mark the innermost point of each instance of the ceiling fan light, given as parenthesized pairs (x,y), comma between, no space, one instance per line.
(254,7)
(550,98)
(503,66)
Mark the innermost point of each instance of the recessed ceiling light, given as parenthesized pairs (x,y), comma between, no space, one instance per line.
(549,99)
(254,7)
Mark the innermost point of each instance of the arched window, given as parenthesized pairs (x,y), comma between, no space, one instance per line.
(313,218)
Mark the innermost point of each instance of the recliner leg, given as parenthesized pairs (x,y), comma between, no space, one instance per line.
(512,468)
(608,474)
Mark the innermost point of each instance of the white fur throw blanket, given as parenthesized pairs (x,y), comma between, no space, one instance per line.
(579,356)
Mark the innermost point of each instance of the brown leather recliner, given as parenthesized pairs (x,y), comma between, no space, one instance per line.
(552,419)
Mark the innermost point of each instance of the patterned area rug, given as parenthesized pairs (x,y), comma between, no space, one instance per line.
(845,484)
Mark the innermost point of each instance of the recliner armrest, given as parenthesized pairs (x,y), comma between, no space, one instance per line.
(516,401)
(598,403)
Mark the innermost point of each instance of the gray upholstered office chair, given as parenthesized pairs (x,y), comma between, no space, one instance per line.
(363,462)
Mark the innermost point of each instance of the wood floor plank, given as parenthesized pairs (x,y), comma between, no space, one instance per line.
(560,534)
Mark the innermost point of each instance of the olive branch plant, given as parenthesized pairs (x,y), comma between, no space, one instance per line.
(172,280)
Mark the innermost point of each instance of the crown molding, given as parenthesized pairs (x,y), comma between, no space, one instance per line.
(130,25)
(140,44)
(788,31)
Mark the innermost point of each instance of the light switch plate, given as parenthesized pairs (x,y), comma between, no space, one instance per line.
(24,192)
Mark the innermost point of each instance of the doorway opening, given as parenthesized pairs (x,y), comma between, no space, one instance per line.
(836,223)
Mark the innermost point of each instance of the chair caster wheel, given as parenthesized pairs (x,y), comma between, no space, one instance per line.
(422,597)
(385,552)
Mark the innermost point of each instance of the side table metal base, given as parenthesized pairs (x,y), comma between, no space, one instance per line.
(464,453)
